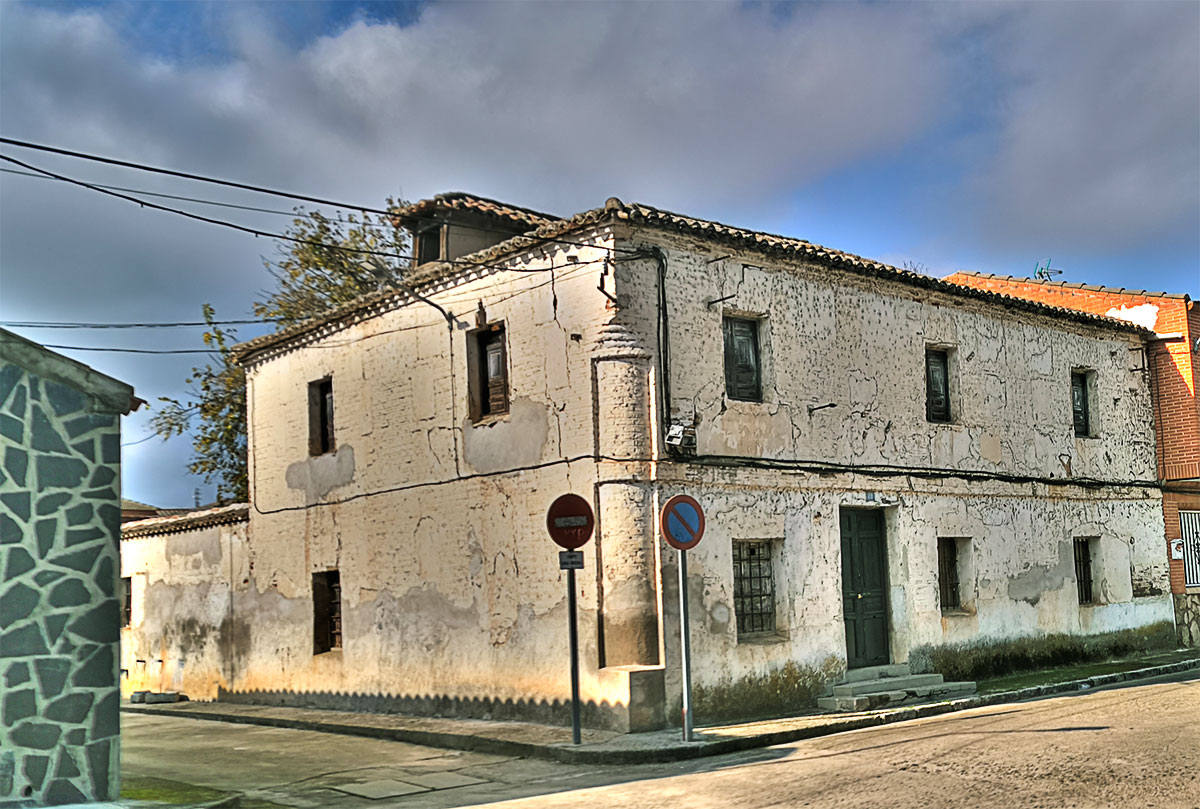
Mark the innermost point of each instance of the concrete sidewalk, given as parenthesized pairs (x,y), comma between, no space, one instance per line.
(602,747)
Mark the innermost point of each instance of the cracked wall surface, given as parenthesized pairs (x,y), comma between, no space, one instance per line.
(452,599)
(59,614)
(194,607)
(451,595)
(832,338)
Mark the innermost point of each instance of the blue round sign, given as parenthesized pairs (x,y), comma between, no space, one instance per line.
(682,522)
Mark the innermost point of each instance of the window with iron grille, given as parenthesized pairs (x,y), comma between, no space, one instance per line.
(488,381)
(127,603)
(1189,528)
(753,587)
(327,611)
(1083,569)
(1080,407)
(743,373)
(948,574)
(320,417)
(937,385)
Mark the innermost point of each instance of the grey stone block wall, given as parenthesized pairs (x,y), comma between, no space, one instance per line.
(60,618)
(1187,618)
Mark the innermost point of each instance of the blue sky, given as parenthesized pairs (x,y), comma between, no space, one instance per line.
(979,136)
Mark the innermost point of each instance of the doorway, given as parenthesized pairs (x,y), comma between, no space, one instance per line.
(864,587)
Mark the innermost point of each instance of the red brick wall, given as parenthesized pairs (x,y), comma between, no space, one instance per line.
(1173,503)
(1173,386)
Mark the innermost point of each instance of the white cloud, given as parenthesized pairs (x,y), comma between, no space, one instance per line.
(1083,130)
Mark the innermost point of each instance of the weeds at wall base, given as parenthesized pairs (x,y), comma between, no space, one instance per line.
(981,661)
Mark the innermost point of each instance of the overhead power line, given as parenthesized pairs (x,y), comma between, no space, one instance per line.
(54,324)
(254,188)
(258,189)
(269,234)
(135,350)
(143,192)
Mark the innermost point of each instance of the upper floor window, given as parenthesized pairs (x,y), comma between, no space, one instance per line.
(488,381)
(320,416)
(429,243)
(1080,405)
(743,372)
(937,384)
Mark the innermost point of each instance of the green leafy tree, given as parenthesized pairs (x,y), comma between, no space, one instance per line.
(331,262)
(324,264)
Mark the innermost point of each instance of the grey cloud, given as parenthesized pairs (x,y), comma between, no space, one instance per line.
(1099,130)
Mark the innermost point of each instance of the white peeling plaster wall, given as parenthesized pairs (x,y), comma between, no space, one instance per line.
(448,590)
(1020,582)
(831,337)
(183,630)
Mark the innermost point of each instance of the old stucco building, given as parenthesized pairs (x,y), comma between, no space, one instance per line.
(1172,359)
(888,464)
(60,599)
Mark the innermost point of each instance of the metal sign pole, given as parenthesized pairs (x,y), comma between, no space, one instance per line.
(575,736)
(685,648)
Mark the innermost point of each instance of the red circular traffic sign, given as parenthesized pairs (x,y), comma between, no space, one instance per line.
(570,521)
(682,522)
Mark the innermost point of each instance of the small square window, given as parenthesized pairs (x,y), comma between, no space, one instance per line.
(1083,569)
(753,587)
(327,611)
(127,600)
(937,385)
(1080,406)
(948,588)
(488,382)
(320,417)
(743,372)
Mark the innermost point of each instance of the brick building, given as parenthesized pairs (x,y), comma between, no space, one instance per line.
(1173,356)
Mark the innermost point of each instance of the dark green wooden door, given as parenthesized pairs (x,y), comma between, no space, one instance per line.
(864,587)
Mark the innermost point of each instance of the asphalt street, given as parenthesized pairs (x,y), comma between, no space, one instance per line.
(1132,746)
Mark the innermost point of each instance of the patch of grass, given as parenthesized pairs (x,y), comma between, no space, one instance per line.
(1067,673)
(145,788)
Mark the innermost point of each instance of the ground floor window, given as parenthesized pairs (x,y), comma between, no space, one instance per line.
(948,589)
(127,601)
(1083,569)
(753,587)
(327,611)
(1189,526)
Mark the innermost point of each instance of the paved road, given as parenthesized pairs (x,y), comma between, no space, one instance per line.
(1135,746)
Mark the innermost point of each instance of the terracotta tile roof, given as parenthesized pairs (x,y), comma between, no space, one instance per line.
(222,515)
(1139,293)
(134,505)
(616,211)
(462,201)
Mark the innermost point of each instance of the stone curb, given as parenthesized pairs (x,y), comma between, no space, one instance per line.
(677,751)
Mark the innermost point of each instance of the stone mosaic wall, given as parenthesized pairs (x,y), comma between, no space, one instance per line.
(59,614)
(1187,618)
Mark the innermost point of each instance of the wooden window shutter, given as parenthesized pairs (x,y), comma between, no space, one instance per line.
(1079,403)
(937,385)
(743,375)
(489,375)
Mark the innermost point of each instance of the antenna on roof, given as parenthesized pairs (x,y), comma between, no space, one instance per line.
(1044,272)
